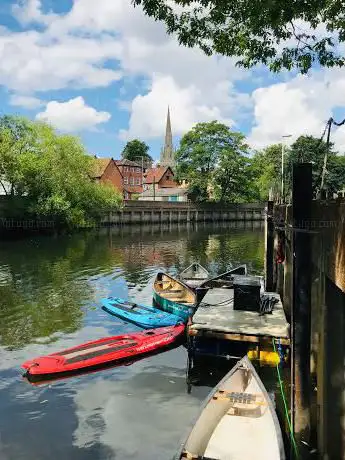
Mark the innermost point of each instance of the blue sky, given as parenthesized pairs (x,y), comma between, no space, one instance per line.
(105,72)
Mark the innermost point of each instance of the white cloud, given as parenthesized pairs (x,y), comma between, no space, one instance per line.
(74,50)
(300,106)
(31,61)
(28,102)
(78,43)
(73,115)
(29,11)
(148,112)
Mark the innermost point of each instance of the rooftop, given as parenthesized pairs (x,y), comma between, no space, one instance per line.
(100,167)
(156,174)
(125,162)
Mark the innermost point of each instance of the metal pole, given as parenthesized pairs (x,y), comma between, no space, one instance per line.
(154,188)
(282,184)
(282,171)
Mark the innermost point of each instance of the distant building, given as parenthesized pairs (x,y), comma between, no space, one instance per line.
(133,175)
(161,177)
(165,194)
(125,175)
(167,157)
(106,170)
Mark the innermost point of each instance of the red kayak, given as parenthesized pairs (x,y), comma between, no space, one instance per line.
(102,351)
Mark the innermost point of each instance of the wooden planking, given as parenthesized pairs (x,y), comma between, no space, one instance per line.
(223,322)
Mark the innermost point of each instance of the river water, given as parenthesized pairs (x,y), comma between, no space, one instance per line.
(50,291)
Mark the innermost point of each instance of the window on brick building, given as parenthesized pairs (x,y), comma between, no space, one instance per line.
(138,181)
(125,180)
(138,170)
(131,181)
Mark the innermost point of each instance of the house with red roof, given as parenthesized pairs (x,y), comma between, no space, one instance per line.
(106,170)
(160,177)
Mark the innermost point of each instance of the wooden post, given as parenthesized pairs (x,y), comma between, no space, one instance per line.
(301,302)
(269,244)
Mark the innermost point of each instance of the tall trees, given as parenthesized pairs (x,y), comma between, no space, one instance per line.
(280,34)
(213,160)
(136,150)
(52,171)
(267,165)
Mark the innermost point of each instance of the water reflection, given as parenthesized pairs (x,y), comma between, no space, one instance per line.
(50,291)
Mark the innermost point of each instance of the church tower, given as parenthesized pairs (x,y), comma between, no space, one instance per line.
(167,153)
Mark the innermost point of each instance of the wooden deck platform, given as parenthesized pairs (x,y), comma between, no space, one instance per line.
(221,321)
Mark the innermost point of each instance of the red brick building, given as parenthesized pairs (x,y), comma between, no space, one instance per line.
(132,174)
(162,177)
(106,170)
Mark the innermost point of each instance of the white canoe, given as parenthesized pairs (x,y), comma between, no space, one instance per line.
(238,421)
(194,275)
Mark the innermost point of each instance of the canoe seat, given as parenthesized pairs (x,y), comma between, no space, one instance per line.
(240,398)
(188,456)
(167,291)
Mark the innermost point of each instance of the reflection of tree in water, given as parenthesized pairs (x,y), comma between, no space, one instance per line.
(43,284)
(45,281)
(40,304)
(237,247)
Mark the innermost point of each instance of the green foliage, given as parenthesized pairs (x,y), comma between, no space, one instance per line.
(53,171)
(136,149)
(232,178)
(212,159)
(278,34)
(310,149)
(266,166)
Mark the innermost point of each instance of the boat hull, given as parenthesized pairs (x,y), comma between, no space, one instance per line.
(173,308)
(194,275)
(144,316)
(114,349)
(237,421)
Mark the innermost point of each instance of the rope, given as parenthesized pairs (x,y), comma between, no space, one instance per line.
(292,437)
(223,302)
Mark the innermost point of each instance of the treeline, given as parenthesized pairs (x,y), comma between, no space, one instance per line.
(52,173)
(219,165)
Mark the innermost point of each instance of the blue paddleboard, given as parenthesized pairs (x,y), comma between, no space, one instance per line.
(142,315)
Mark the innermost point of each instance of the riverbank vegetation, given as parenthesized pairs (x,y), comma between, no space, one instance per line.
(218,165)
(51,174)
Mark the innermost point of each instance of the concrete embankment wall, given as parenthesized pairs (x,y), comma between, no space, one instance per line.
(14,215)
(143,212)
(327,229)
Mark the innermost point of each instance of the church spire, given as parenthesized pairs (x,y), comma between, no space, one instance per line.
(167,153)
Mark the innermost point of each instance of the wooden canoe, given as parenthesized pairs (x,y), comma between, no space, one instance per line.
(194,275)
(174,296)
(225,279)
(238,421)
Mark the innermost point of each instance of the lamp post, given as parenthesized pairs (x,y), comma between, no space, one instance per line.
(283,152)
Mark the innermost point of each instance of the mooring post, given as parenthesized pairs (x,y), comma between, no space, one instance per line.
(301,302)
(269,243)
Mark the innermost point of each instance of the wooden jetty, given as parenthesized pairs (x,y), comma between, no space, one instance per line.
(217,319)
